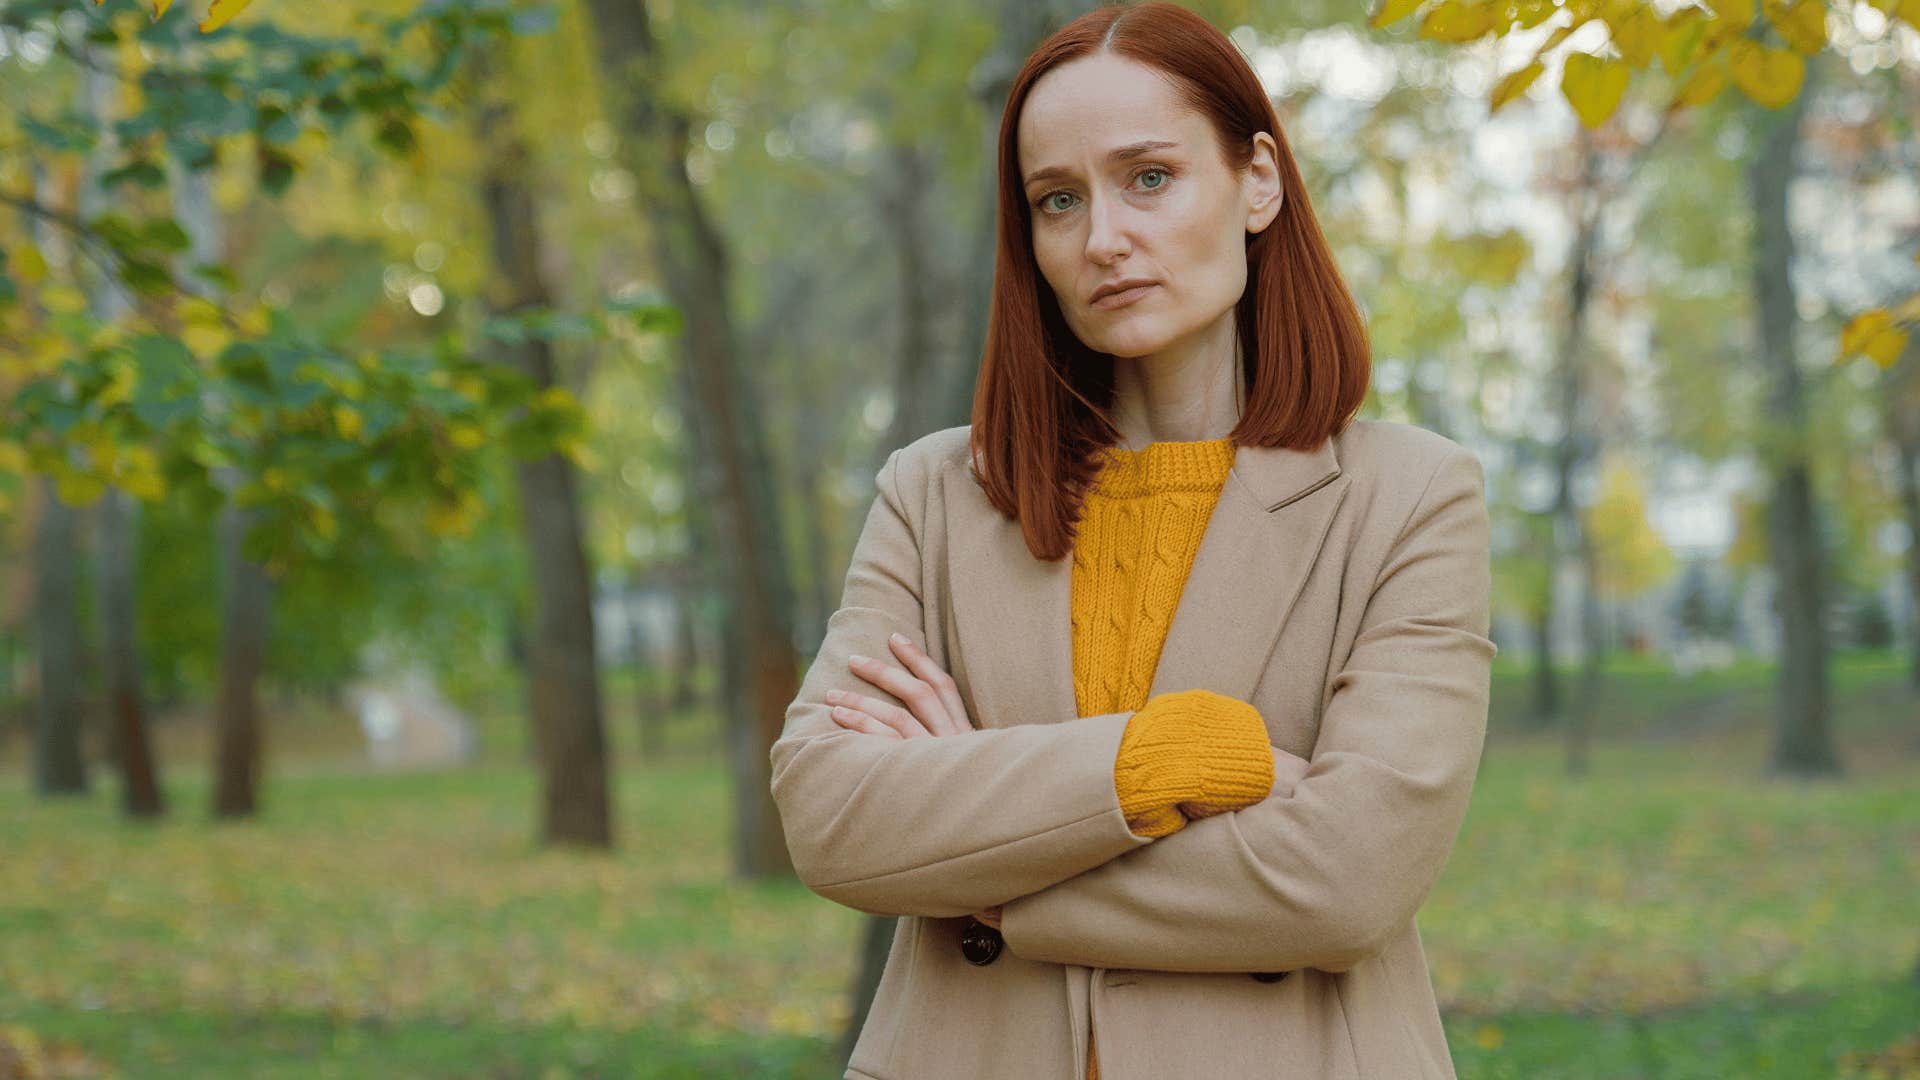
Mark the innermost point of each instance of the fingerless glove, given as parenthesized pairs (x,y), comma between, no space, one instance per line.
(1188,754)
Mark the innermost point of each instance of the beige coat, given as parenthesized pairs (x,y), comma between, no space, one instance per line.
(1344,591)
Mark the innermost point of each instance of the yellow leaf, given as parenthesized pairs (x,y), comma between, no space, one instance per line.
(1457,21)
(581,454)
(274,478)
(1593,86)
(221,13)
(1768,75)
(64,299)
(13,458)
(466,436)
(1803,25)
(120,387)
(160,7)
(1638,35)
(144,484)
(46,353)
(1862,327)
(28,265)
(106,336)
(198,311)
(78,489)
(350,422)
(254,321)
(1702,86)
(455,517)
(1683,34)
(1886,346)
(1874,334)
(140,457)
(1736,12)
(1392,11)
(1531,13)
(554,397)
(1488,1037)
(205,342)
(323,521)
(1514,84)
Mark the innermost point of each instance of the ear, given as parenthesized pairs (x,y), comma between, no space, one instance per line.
(1260,180)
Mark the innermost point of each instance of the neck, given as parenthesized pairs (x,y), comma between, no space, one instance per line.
(1188,391)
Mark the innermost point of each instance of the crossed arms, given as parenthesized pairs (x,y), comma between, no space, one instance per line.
(1026,816)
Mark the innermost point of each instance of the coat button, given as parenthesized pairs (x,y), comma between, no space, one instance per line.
(980,943)
(1268,976)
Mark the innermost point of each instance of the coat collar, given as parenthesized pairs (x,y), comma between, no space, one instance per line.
(1011,622)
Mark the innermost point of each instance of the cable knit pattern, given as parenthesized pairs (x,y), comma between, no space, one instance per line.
(1184,754)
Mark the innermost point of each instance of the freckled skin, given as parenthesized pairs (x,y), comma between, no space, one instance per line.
(1179,215)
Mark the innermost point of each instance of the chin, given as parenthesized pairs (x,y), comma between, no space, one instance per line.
(1131,345)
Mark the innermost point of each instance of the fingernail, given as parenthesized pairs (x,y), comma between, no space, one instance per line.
(857,658)
(901,639)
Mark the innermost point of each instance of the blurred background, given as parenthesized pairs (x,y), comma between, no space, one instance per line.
(432,435)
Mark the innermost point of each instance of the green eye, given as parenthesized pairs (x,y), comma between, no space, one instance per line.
(1151,172)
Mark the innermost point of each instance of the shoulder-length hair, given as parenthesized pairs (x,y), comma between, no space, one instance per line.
(1040,409)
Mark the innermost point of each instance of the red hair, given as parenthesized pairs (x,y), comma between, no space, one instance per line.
(1040,407)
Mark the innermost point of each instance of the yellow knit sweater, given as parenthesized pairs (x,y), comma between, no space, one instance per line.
(1184,754)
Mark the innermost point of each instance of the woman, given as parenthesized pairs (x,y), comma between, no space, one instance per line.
(1156,694)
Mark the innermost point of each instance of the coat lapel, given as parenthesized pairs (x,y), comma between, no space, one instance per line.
(1012,612)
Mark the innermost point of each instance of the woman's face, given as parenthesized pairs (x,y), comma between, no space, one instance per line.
(1124,183)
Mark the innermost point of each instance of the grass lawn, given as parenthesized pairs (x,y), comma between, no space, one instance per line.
(1671,914)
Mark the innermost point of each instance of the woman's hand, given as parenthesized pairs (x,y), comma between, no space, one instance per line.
(934,707)
(933,700)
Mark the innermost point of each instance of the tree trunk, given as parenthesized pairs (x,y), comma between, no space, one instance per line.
(59,754)
(1023,25)
(1567,531)
(564,676)
(243,649)
(1803,743)
(690,255)
(119,514)
(905,198)
(117,520)
(1901,405)
(686,622)
(59,759)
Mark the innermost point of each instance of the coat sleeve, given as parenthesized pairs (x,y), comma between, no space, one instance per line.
(1322,875)
(942,826)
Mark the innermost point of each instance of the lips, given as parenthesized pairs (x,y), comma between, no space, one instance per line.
(1122,293)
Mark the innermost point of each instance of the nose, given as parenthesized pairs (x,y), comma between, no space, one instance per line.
(1106,231)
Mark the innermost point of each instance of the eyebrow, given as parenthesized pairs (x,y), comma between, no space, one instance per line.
(1124,153)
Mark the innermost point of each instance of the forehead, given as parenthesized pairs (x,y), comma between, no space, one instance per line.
(1092,104)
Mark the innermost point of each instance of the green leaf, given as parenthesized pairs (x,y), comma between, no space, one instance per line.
(217,273)
(396,135)
(167,235)
(275,169)
(146,277)
(140,171)
(70,134)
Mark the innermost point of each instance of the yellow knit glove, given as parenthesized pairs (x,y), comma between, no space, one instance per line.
(1191,753)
